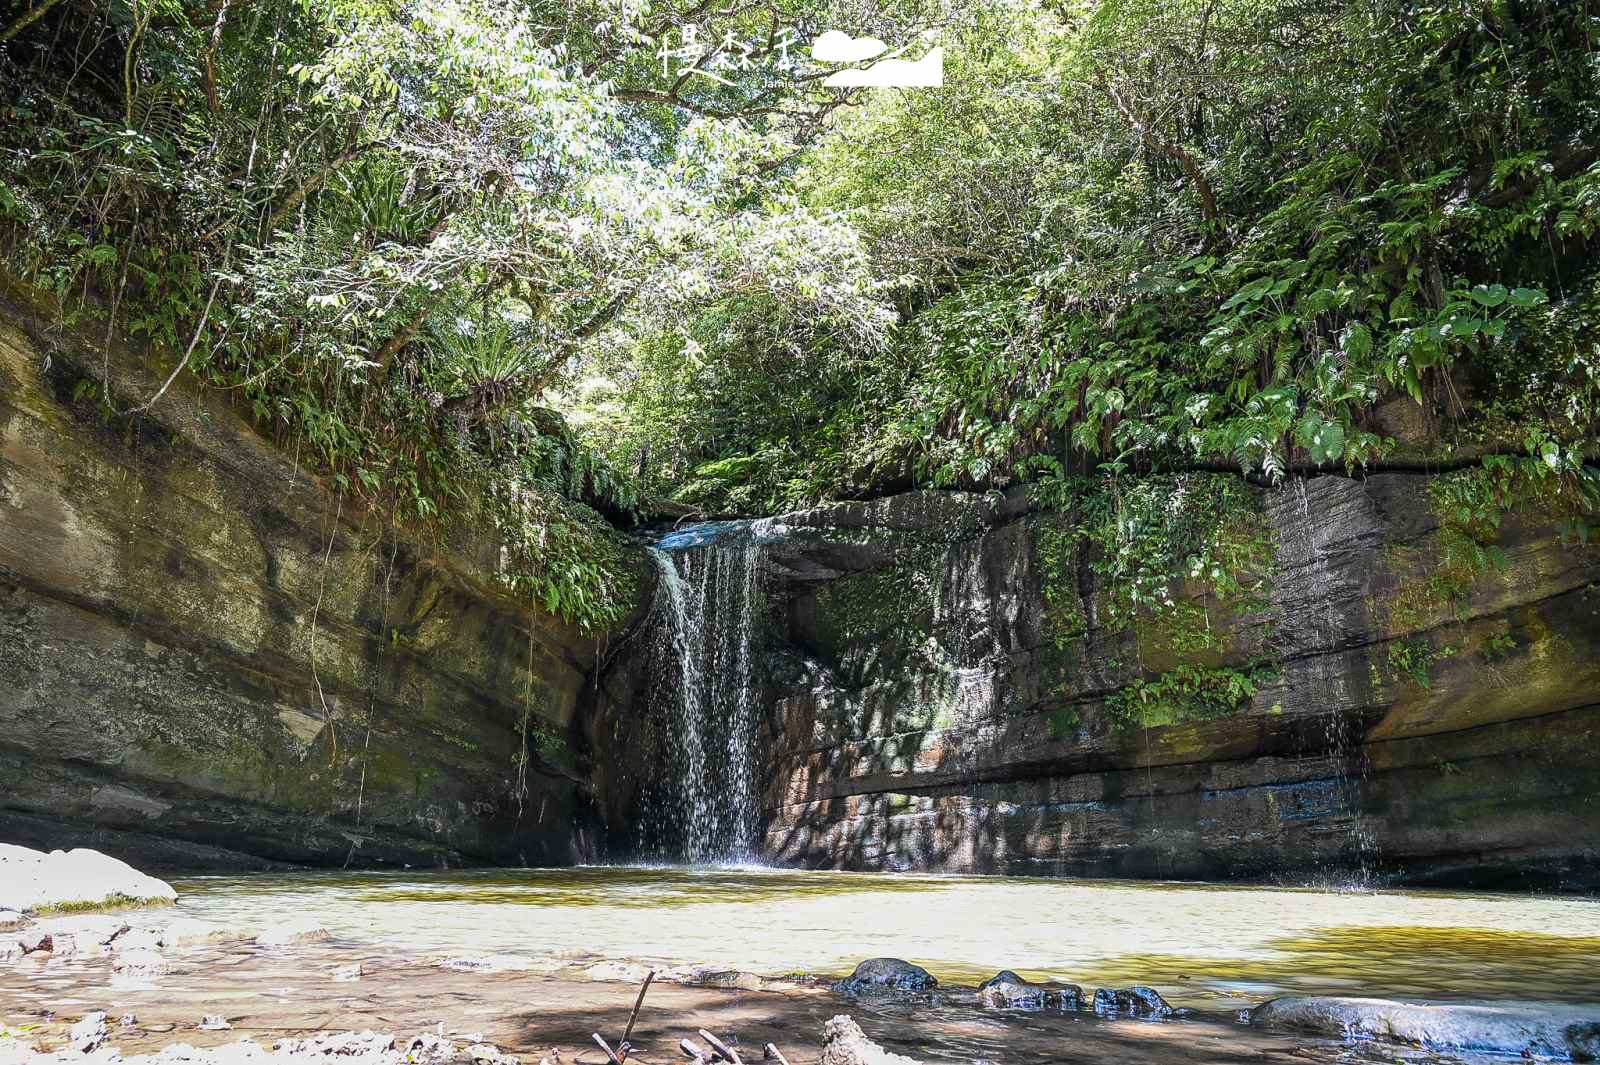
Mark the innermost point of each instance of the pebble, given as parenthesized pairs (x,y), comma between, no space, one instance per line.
(89,1033)
(146,962)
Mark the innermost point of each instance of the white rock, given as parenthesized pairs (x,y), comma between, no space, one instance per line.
(214,1022)
(357,1046)
(33,880)
(188,932)
(845,1044)
(10,920)
(147,962)
(303,930)
(139,939)
(89,1033)
(91,930)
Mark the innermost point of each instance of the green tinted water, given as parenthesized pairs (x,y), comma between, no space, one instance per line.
(1199,944)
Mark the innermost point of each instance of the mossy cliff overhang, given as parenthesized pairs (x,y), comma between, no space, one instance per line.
(207,659)
(961,687)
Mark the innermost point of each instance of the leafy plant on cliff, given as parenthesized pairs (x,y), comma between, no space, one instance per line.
(1189,693)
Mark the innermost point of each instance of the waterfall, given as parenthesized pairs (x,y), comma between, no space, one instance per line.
(706,691)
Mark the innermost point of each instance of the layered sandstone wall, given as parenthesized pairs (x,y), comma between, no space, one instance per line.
(208,661)
(950,692)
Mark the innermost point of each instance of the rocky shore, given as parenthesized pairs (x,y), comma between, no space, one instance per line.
(153,985)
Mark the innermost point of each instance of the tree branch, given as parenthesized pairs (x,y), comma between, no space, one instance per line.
(27,18)
(211,56)
(1176,152)
(487,396)
(314,182)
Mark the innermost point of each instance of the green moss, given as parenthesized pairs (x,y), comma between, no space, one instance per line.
(109,904)
(897,803)
(1435,581)
(1063,722)
(1188,694)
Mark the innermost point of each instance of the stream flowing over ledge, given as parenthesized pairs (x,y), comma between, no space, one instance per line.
(946,687)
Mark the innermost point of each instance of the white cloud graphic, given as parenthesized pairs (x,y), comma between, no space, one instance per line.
(837,47)
(925,73)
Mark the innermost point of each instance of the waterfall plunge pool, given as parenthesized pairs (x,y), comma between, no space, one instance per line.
(540,958)
(1201,945)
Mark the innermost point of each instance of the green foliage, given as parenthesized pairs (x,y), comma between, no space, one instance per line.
(1148,538)
(1188,693)
(1056,549)
(492,265)
(1114,248)
(403,235)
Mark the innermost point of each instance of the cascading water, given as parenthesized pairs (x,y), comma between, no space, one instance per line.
(707,619)
(1344,751)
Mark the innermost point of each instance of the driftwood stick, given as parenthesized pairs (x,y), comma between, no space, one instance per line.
(775,1054)
(720,1047)
(610,1054)
(692,1050)
(634,1016)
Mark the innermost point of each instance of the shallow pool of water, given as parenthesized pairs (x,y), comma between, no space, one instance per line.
(1200,944)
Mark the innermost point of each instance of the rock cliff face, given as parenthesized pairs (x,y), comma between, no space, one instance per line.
(208,662)
(952,689)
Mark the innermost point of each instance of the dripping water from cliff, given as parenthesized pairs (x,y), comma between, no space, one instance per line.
(1344,752)
(705,693)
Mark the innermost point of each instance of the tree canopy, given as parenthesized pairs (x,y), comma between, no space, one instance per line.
(562,266)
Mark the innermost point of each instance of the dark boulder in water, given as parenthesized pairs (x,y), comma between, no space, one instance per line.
(887,973)
(1137,1001)
(1007,990)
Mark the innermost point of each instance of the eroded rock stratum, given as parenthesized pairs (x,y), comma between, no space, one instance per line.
(1355,687)
(207,661)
